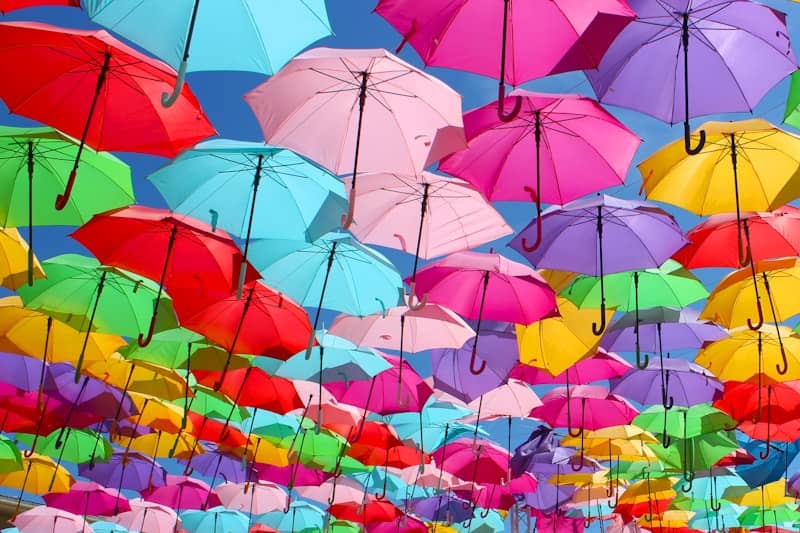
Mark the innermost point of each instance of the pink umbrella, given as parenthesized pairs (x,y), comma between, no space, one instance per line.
(453,216)
(282,475)
(408,330)
(333,491)
(432,476)
(353,110)
(532,38)
(602,365)
(252,498)
(381,395)
(461,281)
(147,516)
(88,498)
(50,520)
(513,399)
(182,492)
(501,496)
(558,148)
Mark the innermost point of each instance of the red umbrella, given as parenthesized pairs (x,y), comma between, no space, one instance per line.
(715,241)
(11,5)
(195,263)
(93,87)
(369,512)
(261,322)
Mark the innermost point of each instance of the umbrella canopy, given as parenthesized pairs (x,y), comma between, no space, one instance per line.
(747,353)
(684,37)
(683,382)
(181,492)
(15,255)
(43,518)
(147,516)
(88,498)
(585,407)
(11,5)
(214,520)
(256,498)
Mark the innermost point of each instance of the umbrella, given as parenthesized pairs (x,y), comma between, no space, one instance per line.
(601,365)
(47,155)
(753,156)
(126,470)
(214,520)
(372,100)
(215,35)
(17,262)
(188,258)
(255,498)
(181,492)
(333,272)
(559,135)
(713,242)
(11,5)
(299,516)
(741,355)
(39,475)
(413,330)
(471,35)
(116,84)
(668,382)
(664,32)
(221,181)
(461,282)
(88,498)
(89,297)
(147,516)
(43,518)
(453,216)
(641,235)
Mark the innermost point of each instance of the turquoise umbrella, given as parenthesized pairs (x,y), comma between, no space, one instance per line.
(253,191)
(334,272)
(240,35)
(431,421)
(214,520)
(107,527)
(301,516)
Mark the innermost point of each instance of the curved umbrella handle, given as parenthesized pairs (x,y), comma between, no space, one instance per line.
(687,139)
(599,329)
(382,495)
(473,359)
(288,505)
(525,246)
(580,462)
(347,219)
(168,99)
(783,367)
(501,97)
(63,198)
(641,364)
(579,433)
(757,325)
(688,478)
(421,302)
(145,340)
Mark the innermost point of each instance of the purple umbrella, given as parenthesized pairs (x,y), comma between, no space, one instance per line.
(126,470)
(639,235)
(668,382)
(739,50)
(22,372)
(214,463)
(442,508)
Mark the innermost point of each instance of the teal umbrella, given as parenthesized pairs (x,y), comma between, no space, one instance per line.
(239,35)
(214,520)
(300,516)
(334,272)
(426,428)
(253,191)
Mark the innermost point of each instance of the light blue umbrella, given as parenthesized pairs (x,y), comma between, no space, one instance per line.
(484,521)
(103,526)
(432,420)
(302,516)
(253,191)
(334,272)
(214,520)
(241,35)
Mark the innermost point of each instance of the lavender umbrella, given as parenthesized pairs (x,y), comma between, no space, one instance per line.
(22,372)
(216,463)
(442,508)
(684,383)
(739,50)
(639,235)
(126,470)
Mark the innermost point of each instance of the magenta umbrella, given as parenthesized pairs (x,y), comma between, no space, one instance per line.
(600,366)
(88,498)
(532,38)
(182,492)
(558,148)
(366,110)
(461,281)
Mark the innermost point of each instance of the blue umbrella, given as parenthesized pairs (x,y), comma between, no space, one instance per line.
(240,35)
(300,516)
(334,272)
(214,520)
(253,191)
(773,468)
(107,527)
(426,428)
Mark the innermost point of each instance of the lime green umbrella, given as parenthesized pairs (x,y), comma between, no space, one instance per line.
(10,458)
(90,297)
(212,404)
(780,515)
(35,164)
(792,114)
(77,446)
(343,526)
(670,285)
(698,453)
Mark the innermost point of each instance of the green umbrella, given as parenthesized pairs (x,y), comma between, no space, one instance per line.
(781,515)
(669,285)
(34,166)
(792,114)
(698,453)
(89,297)
(212,404)
(10,458)
(274,427)
(343,526)
(78,446)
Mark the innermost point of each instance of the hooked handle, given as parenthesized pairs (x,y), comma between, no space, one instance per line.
(63,198)
(687,139)
(168,99)
(145,340)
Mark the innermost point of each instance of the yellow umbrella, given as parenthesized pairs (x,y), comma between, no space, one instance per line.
(626,431)
(557,343)
(740,356)
(580,479)
(159,414)
(27,332)
(14,260)
(557,279)
(768,496)
(749,165)
(260,450)
(139,376)
(649,490)
(612,449)
(671,518)
(160,444)
(36,476)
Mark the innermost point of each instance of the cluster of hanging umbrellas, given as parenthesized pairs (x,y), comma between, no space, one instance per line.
(250,358)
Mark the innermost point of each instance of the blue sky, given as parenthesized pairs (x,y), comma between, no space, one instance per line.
(356,26)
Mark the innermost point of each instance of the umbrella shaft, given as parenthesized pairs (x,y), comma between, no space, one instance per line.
(101,79)
(190,32)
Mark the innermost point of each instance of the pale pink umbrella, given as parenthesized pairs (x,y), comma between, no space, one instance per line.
(252,498)
(50,520)
(430,475)
(333,491)
(514,399)
(461,281)
(148,516)
(558,148)
(365,110)
(407,330)
(453,216)
(530,38)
